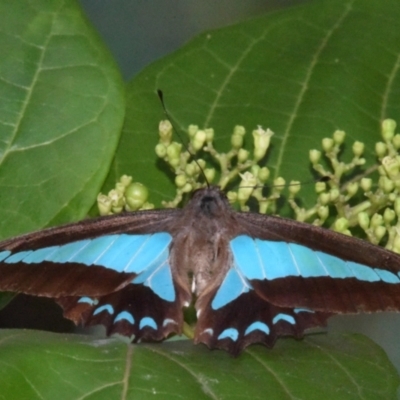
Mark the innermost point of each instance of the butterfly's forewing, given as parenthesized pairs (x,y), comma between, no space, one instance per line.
(47,263)
(306,266)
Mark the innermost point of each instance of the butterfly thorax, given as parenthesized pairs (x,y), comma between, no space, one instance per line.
(201,245)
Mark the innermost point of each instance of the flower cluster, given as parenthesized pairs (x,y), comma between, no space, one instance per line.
(126,196)
(191,172)
(369,202)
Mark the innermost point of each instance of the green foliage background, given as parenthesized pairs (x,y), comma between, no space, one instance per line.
(67,131)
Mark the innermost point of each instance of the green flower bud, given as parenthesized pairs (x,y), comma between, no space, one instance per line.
(236,141)
(120,187)
(262,140)
(315,156)
(239,130)
(334,194)
(386,184)
(366,184)
(363,220)
(389,215)
(165,132)
(199,139)
(392,197)
(201,163)
(161,150)
(116,196)
(352,188)
(391,166)
(263,174)
(396,141)
(358,148)
(320,187)
(380,149)
(279,183)
(341,225)
(187,188)
(327,144)
(125,180)
(210,174)
(191,169)
(243,155)
(209,134)
(173,153)
(324,198)
(248,180)
(117,200)
(323,212)
(192,129)
(246,186)
(388,129)
(136,195)
(338,137)
(376,220)
(103,204)
(180,180)
(294,187)
(255,169)
(379,232)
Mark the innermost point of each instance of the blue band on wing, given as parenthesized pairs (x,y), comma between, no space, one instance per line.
(283,317)
(257,326)
(158,278)
(233,285)
(145,255)
(106,307)
(125,316)
(147,321)
(230,333)
(265,259)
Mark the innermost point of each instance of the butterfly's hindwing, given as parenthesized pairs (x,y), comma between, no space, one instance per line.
(250,319)
(134,311)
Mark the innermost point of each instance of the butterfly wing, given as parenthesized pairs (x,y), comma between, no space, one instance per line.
(300,265)
(113,270)
(255,277)
(248,319)
(283,277)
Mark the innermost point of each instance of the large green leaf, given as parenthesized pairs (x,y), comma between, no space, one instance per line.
(304,72)
(61,112)
(75,367)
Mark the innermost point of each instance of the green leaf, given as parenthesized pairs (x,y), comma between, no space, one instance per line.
(61,112)
(72,366)
(303,72)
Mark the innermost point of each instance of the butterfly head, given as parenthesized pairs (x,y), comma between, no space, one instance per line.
(210,202)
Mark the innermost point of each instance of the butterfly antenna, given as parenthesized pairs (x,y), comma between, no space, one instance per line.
(184,144)
(321,179)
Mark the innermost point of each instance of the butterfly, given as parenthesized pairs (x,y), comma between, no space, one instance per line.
(251,277)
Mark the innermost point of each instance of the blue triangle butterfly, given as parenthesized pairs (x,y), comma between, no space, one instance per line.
(251,277)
